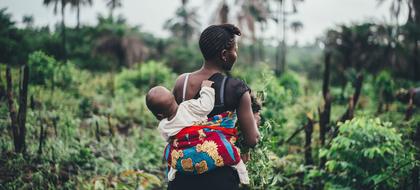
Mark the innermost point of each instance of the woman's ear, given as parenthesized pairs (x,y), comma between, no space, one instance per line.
(223,55)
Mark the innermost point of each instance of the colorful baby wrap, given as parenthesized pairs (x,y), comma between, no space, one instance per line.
(205,145)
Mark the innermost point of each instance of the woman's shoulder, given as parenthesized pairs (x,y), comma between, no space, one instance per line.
(177,90)
(238,85)
(234,90)
(180,80)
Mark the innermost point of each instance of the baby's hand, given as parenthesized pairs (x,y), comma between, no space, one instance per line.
(206,83)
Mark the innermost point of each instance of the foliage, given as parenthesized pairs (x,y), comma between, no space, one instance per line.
(290,82)
(144,77)
(366,154)
(45,70)
(385,87)
(11,41)
(42,68)
(183,59)
(373,47)
(89,102)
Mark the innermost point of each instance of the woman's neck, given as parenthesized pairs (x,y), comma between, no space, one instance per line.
(211,67)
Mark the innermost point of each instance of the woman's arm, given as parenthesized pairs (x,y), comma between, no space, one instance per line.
(246,121)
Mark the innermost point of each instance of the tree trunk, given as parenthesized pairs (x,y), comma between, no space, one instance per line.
(224,13)
(97,132)
(63,30)
(309,128)
(278,63)
(12,110)
(261,52)
(23,104)
(353,99)
(348,115)
(278,50)
(185,34)
(410,108)
(324,115)
(41,138)
(78,16)
(110,127)
(284,51)
(416,64)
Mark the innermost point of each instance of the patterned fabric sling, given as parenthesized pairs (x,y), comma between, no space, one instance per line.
(205,145)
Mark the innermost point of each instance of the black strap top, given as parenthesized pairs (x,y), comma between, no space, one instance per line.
(228,92)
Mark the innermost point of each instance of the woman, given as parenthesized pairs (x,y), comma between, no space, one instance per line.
(219,49)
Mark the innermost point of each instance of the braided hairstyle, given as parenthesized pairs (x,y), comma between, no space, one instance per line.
(216,38)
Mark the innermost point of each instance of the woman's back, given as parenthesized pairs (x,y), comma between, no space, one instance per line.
(228,91)
(223,177)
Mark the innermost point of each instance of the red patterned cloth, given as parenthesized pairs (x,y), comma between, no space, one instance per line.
(204,146)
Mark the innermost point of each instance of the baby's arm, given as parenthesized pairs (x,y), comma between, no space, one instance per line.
(205,103)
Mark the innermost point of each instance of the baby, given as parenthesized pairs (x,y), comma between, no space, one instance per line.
(173,117)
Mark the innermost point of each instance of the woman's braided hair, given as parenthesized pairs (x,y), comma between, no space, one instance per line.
(215,38)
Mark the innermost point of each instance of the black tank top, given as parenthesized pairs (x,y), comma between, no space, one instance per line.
(228,92)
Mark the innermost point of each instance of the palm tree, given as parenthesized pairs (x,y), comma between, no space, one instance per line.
(112,5)
(63,4)
(281,48)
(251,13)
(28,20)
(296,27)
(77,4)
(413,21)
(123,45)
(185,23)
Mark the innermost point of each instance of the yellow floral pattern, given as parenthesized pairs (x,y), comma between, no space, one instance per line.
(210,148)
(175,156)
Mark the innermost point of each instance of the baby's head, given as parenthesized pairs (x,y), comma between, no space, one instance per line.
(161,102)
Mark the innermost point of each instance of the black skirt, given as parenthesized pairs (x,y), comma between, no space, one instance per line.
(224,178)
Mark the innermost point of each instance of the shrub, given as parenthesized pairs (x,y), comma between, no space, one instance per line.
(363,155)
(42,68)
(45,70)
(145,76)
(183,59)
(290,82)
(384,85)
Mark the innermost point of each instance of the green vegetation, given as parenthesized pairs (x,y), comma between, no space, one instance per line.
(344,116)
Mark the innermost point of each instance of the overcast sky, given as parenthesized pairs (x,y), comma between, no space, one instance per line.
(316,15)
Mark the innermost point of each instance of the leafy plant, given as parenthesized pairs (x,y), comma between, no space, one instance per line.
(145,76)
(364,155)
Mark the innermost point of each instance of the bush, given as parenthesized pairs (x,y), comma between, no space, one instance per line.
(45,70)
(384,85)
(145,76)
(290,82)
(42,68)
(183,59)
(363,155)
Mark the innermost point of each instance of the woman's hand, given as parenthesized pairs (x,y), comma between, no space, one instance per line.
(257,118)
(246,157)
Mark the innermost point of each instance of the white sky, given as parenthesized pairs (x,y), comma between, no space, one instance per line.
(316,15)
